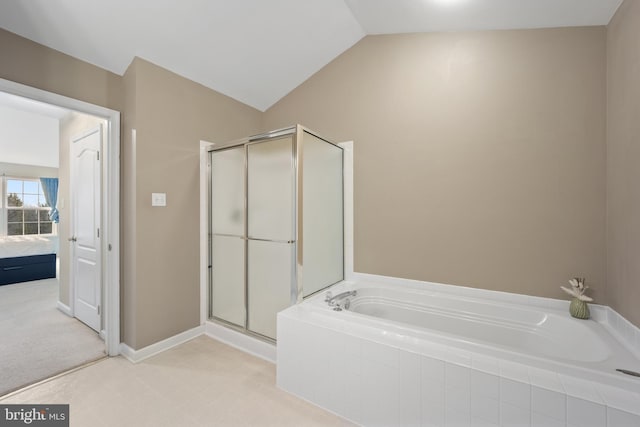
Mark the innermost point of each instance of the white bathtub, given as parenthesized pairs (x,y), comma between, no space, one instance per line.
(476,323)
(411,353)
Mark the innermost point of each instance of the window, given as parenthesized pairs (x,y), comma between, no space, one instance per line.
(26,209)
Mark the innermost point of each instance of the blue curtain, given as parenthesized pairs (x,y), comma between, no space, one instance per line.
(50,188)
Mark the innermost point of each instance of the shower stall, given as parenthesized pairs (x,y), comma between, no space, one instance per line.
(276,232)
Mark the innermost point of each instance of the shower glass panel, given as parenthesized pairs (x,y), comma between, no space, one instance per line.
(227,235)
(271,190)
(270,268)
(227,191)
(322,245)
(228,279)
(270,204)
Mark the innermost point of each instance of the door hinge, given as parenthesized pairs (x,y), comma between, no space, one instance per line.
(98,155)
(98,310)
(98,233)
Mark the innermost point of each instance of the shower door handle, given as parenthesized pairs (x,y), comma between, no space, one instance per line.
(271,240)
(72,239)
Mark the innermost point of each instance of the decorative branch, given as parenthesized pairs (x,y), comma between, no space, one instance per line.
(578,289)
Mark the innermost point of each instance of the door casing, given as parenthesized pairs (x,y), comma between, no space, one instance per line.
(110,243)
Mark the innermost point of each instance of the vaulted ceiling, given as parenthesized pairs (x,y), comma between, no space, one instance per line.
(257,51)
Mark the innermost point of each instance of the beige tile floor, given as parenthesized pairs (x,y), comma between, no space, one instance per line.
(200,383)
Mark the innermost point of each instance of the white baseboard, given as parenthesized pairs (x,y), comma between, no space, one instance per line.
(136,356)
(65,309)
(241,341)
(228,336)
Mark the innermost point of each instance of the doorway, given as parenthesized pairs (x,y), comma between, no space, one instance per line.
(106,218)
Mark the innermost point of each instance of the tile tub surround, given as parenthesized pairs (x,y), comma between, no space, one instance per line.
(374,376)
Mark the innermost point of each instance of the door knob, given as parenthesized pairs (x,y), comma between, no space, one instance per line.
(72,239)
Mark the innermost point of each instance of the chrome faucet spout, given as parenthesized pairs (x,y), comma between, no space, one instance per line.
(335,300)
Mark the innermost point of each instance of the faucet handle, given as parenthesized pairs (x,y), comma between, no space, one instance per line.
(328,296)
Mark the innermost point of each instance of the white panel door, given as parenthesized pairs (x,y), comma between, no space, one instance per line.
(85,200)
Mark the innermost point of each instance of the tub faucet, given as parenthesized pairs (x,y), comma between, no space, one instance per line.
(340,301)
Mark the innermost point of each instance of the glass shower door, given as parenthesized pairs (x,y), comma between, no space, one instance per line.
(276,212)
(270,232)
(227,235)
(323,242)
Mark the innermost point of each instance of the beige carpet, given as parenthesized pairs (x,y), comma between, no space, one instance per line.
(199,383)
(36,339)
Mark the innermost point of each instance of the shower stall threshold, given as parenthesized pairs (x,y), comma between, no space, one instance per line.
(241,341)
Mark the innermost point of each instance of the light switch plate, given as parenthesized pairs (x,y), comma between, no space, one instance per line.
(158,199)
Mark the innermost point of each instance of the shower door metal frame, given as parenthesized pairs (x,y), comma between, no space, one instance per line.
(297,164)
(259,140)
(210,237)
(299,170)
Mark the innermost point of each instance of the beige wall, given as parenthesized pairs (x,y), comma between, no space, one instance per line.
(479,157)
(72,125)
(623,161)
(32,64)
(172,115)
(160,249)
